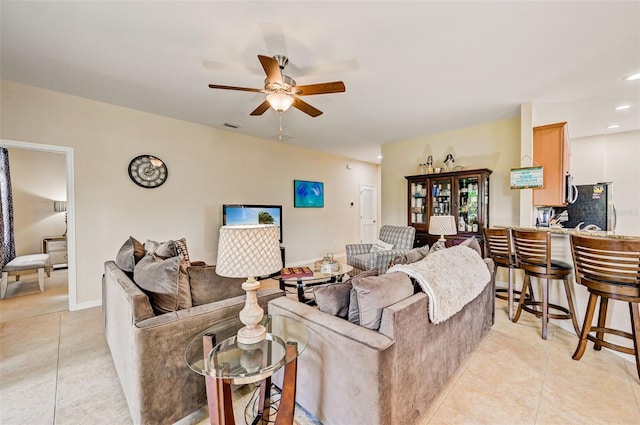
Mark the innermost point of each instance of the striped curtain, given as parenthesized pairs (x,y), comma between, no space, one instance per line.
(7,243)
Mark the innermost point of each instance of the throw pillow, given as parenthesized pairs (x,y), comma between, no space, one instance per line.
(166,250)
(181,248)
(333,298)
(415,254)
(375,293)
(354,314)
(380,245)
(207,286)
(437,247)
(129,254)
(473,243)
(167,287)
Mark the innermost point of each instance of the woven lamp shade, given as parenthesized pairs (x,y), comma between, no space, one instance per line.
(59,206)
(442,225)
(248,251)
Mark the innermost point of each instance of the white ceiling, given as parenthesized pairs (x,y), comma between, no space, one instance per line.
(410,68)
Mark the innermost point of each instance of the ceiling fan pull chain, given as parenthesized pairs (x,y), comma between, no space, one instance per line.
(280,135)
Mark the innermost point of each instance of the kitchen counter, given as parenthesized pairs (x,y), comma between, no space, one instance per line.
(563,231)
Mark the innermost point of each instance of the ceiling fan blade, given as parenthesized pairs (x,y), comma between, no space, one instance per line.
(261,109)
(322,88)
(272,69)
(216,86)
(306,108)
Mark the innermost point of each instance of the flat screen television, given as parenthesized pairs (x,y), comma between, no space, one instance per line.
(252,214)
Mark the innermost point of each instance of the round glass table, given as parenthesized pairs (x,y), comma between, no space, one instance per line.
(225,362)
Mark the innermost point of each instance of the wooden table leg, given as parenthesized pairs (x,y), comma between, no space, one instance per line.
(219,398)
(288,396)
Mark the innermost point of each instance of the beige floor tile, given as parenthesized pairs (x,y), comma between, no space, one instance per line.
(24,299)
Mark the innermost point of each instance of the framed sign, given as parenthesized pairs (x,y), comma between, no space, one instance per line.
(308,194)
(527,178)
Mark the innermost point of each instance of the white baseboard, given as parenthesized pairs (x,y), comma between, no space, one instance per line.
(88,304)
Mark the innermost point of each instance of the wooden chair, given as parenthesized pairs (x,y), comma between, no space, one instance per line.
(533,256)
(610,269)
(500,250)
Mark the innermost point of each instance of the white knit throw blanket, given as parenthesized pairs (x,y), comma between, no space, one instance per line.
(451,278)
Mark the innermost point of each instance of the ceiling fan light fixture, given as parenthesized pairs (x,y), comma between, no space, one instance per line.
(280,102)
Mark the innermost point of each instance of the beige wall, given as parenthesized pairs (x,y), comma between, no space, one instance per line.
(494,145)
(37,179)
(207,167)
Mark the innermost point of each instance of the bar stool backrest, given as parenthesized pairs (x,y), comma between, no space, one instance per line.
(611,266)
(499,247)
(533,251)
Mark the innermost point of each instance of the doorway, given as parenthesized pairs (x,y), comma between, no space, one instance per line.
(368,214)
(70,186)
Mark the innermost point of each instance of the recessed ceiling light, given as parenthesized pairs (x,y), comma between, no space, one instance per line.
(635,76)
(622,107)
(379,157)
(612,126)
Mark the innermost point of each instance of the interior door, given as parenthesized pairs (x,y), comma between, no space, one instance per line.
(368,214)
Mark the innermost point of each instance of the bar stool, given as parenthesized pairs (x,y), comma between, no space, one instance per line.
(533,255)
(500,250)
(610,269)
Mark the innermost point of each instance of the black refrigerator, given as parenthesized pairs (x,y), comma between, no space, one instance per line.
(593,206)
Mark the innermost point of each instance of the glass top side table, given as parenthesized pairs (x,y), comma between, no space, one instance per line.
(231,363)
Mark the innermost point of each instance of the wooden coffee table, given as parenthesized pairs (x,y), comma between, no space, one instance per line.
(318,278)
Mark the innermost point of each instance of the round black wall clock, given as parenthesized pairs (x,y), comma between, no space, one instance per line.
(148,171)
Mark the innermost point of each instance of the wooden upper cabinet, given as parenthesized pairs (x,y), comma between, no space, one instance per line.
(551,150)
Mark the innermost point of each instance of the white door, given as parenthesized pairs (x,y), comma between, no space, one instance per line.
(368,209)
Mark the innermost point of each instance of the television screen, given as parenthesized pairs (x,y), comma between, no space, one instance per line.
(252,214)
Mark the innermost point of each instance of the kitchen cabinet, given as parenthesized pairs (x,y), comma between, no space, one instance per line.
(56,247)
(462,194)
(551,150)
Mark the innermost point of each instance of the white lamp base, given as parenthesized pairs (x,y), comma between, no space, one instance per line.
(251,315)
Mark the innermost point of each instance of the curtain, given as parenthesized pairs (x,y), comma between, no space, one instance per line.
(7,242)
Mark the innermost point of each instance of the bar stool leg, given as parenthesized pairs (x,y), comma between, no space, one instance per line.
(574,318)
(545,308)
(526,285)
(510,293)
(602,317)
(586,328)
(635,331)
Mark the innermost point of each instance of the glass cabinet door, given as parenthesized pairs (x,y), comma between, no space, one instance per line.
(418,203)
(441,196)
(468,204)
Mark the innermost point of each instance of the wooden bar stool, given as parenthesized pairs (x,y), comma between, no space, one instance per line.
(500,250)
(610,269)
(533,255)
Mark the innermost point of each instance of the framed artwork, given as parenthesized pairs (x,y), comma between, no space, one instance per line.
(308,194)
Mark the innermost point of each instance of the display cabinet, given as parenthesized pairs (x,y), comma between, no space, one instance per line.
(462,194)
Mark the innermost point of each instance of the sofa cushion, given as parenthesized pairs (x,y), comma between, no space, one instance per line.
(165,281)
(129,254)
(207,286)
(374,293)
(334,298)
(181,249)
(380,245)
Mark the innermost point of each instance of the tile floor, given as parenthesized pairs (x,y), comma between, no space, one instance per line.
(56,369)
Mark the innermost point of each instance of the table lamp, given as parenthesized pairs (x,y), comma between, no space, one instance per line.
(249,251)
(61,206)
(442,225)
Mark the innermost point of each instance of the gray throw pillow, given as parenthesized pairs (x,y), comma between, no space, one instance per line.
(129,254)
(354,314)
(412,256)
(473,243)
(375,293)
(207,286)
(333,298)
(165,281)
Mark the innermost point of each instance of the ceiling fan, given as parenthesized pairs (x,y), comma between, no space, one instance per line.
(282,91)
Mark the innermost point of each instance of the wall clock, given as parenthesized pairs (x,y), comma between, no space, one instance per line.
(148,171)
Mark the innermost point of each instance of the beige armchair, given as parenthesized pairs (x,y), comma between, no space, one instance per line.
(360,257)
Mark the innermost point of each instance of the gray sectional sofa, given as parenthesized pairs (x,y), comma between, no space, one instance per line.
(349,374)
(148,348)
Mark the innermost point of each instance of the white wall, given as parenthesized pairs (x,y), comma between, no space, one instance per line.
(37,179)
(493,145)
(207,168)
